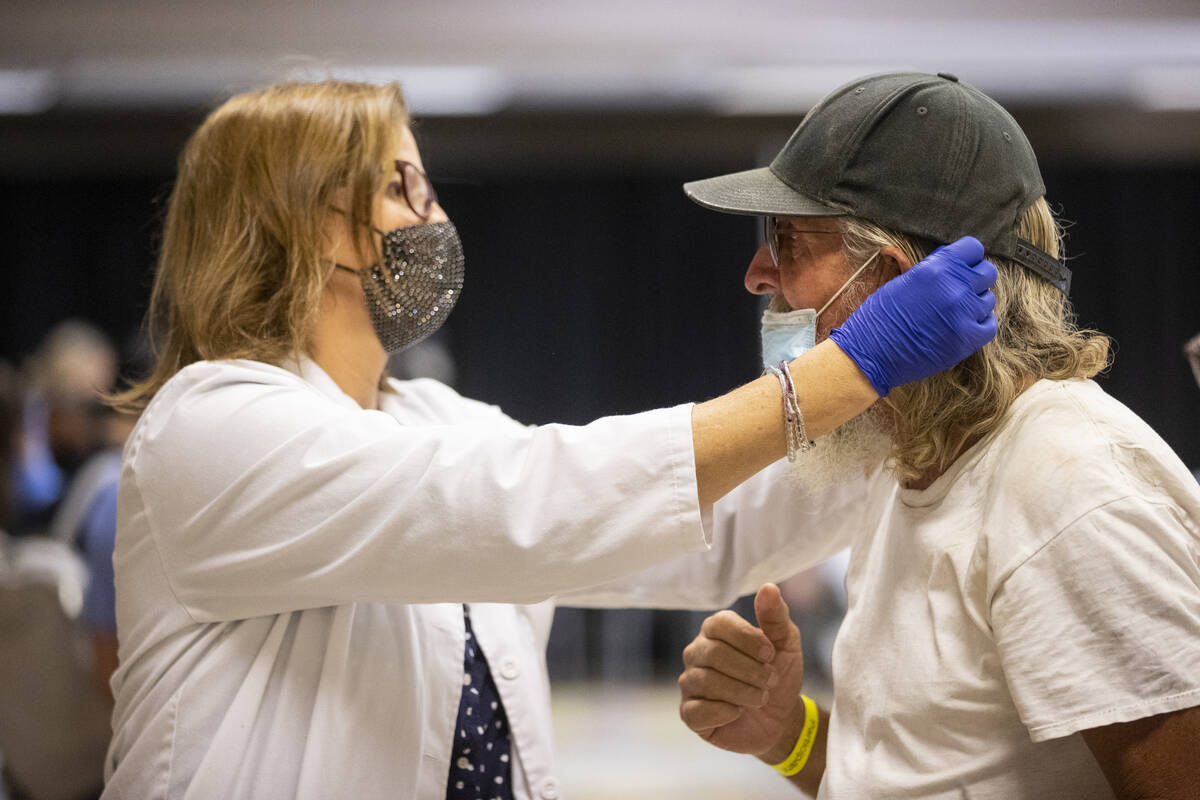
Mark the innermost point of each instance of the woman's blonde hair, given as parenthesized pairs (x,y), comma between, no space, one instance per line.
(1037,338)
(241,266)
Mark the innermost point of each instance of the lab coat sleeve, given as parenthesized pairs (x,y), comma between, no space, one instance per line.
(766,529)
(262,496)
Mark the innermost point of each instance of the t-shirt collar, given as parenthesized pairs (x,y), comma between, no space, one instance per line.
(933,494)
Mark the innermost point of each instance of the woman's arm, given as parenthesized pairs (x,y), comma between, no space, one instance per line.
(923,321)
(740,433)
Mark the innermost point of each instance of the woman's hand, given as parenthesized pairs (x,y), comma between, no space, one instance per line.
(925,320)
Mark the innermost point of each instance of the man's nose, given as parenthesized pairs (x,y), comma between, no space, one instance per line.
(762,276)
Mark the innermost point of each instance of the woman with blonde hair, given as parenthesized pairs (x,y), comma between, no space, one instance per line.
(334,584)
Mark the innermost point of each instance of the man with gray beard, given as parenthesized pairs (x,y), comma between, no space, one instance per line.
(1024,581)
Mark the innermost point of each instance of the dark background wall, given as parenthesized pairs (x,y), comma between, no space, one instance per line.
(594,286)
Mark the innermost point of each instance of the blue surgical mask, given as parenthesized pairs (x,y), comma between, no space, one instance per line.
(785,335)
(789,334)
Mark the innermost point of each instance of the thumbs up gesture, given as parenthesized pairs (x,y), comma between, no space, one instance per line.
(741,684)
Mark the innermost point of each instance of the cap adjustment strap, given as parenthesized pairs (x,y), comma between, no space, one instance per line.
(1044,264)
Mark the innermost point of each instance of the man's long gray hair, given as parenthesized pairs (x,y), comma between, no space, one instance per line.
(938,417)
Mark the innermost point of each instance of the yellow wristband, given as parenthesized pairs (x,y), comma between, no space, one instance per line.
(804,745)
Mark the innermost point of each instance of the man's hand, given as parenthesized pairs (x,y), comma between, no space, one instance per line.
(741,684)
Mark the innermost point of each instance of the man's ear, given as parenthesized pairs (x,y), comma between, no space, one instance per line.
(893,262)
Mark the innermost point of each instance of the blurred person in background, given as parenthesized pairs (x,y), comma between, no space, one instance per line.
(10,447)
(71,371)
(98,615)
(93,530)
(56,698)
(54,725)
(85,434)
(10,442)
(1024,579)
(64,425)
(331,583)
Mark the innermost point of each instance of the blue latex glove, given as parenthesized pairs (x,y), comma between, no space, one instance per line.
(925,320)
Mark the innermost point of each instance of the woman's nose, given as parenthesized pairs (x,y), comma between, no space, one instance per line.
(437,214)
(762,276)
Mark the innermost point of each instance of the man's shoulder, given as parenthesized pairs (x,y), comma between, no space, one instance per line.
(1072,422)
(1067,447)
(1067,455)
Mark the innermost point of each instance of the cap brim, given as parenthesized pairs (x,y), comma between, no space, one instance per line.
(756,191)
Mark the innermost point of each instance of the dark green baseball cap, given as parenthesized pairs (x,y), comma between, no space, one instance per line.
(926,155)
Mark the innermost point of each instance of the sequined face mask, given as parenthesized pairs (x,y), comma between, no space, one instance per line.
(412,290)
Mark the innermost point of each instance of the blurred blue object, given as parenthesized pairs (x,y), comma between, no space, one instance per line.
(99,534)
(37,481)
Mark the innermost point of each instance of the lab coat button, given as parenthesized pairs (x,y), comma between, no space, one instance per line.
(509,669)
(549,789)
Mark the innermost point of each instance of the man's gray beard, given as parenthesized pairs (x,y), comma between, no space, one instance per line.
(849,452)
(855,448)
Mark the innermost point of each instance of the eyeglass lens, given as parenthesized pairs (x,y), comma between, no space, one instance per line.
(769,236)
(418,191)
(781,244)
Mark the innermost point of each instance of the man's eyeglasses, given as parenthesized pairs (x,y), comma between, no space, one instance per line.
(781,241)
(418,191)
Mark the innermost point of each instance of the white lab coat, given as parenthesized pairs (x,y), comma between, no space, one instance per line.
(290,571)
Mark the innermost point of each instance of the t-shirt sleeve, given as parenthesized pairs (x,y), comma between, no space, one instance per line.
(1102,624)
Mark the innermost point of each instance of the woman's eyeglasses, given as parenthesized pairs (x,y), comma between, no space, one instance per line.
(418,191)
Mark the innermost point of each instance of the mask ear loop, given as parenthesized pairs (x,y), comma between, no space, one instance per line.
(838,294)
(857,272)
(366,225)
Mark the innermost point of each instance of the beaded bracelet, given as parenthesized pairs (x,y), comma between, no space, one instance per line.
(797,435)
(788,428)
(803,443)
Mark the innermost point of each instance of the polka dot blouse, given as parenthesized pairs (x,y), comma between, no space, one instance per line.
(480,762)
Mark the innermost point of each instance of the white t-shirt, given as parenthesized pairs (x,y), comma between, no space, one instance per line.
(1046,584)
